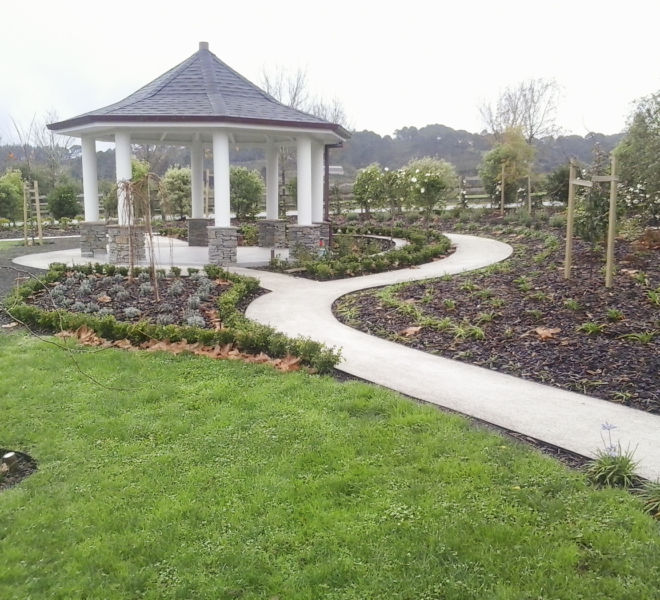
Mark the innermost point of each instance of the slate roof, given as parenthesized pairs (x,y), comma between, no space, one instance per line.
(201,88)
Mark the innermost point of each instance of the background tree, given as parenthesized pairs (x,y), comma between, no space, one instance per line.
(63,200)
(530,106)
(11,196)
(432,183)
(515,155)
(291,89)
(175,191)
(246,190)
(639,159)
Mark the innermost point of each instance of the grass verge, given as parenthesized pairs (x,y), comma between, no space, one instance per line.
(199,479)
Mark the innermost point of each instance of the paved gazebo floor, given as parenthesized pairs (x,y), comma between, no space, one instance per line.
(168,252)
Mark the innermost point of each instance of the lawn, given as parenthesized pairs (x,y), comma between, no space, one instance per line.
(181,477)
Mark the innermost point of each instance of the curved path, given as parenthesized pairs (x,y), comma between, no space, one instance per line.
(565,419)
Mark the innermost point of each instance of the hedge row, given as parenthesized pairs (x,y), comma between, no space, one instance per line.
(246,335)
(423,247)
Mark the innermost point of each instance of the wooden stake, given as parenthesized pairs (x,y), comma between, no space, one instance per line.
(529,194)
(37,205)
(502,192)
(611,228)
(569,222)
(25,213)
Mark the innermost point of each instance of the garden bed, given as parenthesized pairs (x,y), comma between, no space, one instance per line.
(101,303)
(522,318)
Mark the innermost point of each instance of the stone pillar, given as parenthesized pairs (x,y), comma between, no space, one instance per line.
(272,233)
(197,181)
(303,239)
(223,242)
(90,179)
(198,234)
(124,173)
(317,182)
(304,181)
(324,233)
(272,183)
(221,179)
(126,243)
(93,239)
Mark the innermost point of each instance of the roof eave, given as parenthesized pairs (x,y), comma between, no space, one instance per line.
(85,120)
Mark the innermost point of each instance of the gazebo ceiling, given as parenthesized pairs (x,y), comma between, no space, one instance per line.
(191,100)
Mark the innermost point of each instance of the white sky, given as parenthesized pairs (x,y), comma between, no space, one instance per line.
(416,63)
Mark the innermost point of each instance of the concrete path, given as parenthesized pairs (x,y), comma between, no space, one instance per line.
(303,307)
(565,419)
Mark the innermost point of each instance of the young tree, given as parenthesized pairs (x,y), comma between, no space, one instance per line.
(11,196)
(369,189)
(175,191)
(246,189)
(511,157)
(639,159)
(432,183)
(556,184)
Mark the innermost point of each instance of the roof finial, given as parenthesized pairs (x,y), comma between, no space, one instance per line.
(203,45)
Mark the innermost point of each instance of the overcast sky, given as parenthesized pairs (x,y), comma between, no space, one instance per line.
(391,64)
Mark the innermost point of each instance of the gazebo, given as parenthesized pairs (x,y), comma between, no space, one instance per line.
(203,103)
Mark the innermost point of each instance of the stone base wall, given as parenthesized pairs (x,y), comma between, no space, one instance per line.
(272,233)
(223,242)
(124,240)
(303,239)
(198,234)
(93,238)
(324,233)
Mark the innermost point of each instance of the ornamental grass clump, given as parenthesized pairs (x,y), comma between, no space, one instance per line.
(612,467)
(650,496)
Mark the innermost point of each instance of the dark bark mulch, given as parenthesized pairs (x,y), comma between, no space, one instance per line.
(25,465)
(516,308)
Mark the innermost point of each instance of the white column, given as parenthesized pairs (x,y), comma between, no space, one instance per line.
(272,191)
(197,179)
(90,179)
(124,173)
(221,179)
(304,175)
(317,182)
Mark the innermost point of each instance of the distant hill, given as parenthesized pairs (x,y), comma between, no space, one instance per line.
(464,150)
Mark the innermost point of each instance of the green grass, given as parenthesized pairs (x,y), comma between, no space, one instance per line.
(221,480)
(4,245)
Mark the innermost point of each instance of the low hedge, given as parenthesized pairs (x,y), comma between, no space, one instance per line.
(423,246)
(246,335)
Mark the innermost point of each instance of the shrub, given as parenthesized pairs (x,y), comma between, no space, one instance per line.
(246,191)
(63,201)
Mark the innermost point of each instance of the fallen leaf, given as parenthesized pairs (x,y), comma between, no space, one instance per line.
(104,299)
(10,325)
(410,331)
(546,333)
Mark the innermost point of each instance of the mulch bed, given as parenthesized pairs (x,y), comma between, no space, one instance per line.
(531,326)
(24,466)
